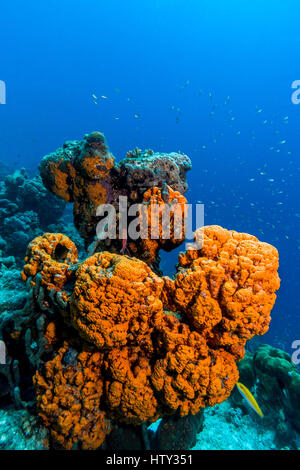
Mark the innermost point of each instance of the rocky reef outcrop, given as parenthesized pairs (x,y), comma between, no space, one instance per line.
(86,174)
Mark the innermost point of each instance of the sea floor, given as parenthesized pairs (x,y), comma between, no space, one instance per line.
(225,428)
(228,428)
(20,431)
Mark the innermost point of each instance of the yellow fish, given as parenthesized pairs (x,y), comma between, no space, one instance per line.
(249,398)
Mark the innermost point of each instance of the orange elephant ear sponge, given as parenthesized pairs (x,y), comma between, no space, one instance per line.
(226,288)
(69,392)
(116,300)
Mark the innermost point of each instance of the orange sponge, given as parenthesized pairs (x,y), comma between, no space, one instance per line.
(116,300)
(68,399)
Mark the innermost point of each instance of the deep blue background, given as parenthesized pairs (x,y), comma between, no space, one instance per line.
(212,79)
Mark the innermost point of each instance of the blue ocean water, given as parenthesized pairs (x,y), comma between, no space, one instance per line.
(211,79)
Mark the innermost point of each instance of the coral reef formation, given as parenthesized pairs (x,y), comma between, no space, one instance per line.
(26,210)
(85,173)
(272,376)
(151,362)
(106,345)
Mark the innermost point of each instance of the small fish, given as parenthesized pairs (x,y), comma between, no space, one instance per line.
(95,97)
(249,398)
(137,116)
(104,97)
(165,193)
(124,242)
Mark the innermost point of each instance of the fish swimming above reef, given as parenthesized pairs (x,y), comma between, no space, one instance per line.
(124,242)
(249,398)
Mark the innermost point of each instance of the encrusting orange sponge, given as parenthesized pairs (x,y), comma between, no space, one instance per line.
(68,398)
(130,396)
(51,255)
(49,262)
(144,346)
(226,289)
(116,300)
(165,211)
